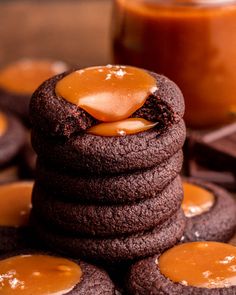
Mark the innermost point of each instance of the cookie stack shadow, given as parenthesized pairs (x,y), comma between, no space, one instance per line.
(108,199)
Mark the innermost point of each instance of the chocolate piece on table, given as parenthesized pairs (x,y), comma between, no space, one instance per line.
(214,150)
(225,179)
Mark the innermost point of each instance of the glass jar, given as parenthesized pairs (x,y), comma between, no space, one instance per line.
(193,42)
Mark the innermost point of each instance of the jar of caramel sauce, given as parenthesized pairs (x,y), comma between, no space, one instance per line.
(193,42)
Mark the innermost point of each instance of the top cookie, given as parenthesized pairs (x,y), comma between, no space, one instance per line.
(150,97)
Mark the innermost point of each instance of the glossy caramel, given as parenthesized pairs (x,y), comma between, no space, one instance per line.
(24,76)
(15,203)
(200,264)
(197,200)
(108,93)
(121,128)
(38,275)
(191,42)
(3,124)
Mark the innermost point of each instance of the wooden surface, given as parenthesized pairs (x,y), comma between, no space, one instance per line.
(76,31)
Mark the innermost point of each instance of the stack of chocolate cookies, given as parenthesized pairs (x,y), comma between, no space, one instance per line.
(109,144)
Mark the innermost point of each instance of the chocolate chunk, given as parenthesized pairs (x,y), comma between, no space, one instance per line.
(225,179)
(215,150)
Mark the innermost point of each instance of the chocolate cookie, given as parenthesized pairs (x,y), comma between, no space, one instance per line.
(87,278)
(113,250)
(114,189)
(159,275)
(20,79)
(146,278)
(14,238)
(53,115)
(15,204)
(11,140)
(217,224)
(15,103)
(89,153)
(102,220)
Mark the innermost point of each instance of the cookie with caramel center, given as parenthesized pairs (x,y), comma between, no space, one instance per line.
(215,222)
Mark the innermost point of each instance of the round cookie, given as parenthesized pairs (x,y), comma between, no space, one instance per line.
(114,189)
(54,115)
(12,138)
(46,273)
(217,224)
(146,276)
(89,153)
(113,250)
(15,205)
(102,220)
(20,79)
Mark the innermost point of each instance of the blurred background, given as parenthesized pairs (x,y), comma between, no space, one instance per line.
(75,31)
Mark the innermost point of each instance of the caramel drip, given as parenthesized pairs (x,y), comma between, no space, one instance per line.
(108,93)
(122,128)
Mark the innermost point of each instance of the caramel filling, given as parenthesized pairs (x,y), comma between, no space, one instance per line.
(38,275)
(200,264)
(110,94)
(3,124)
(197,200)
(121,128)
(15,203)
(24,76)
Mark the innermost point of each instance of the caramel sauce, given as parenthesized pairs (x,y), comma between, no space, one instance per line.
(121,128)
(200,264)
(15,203)
(24,76)
(197,200)
(3,124)
(38,275)
(108,93)
(191,42)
